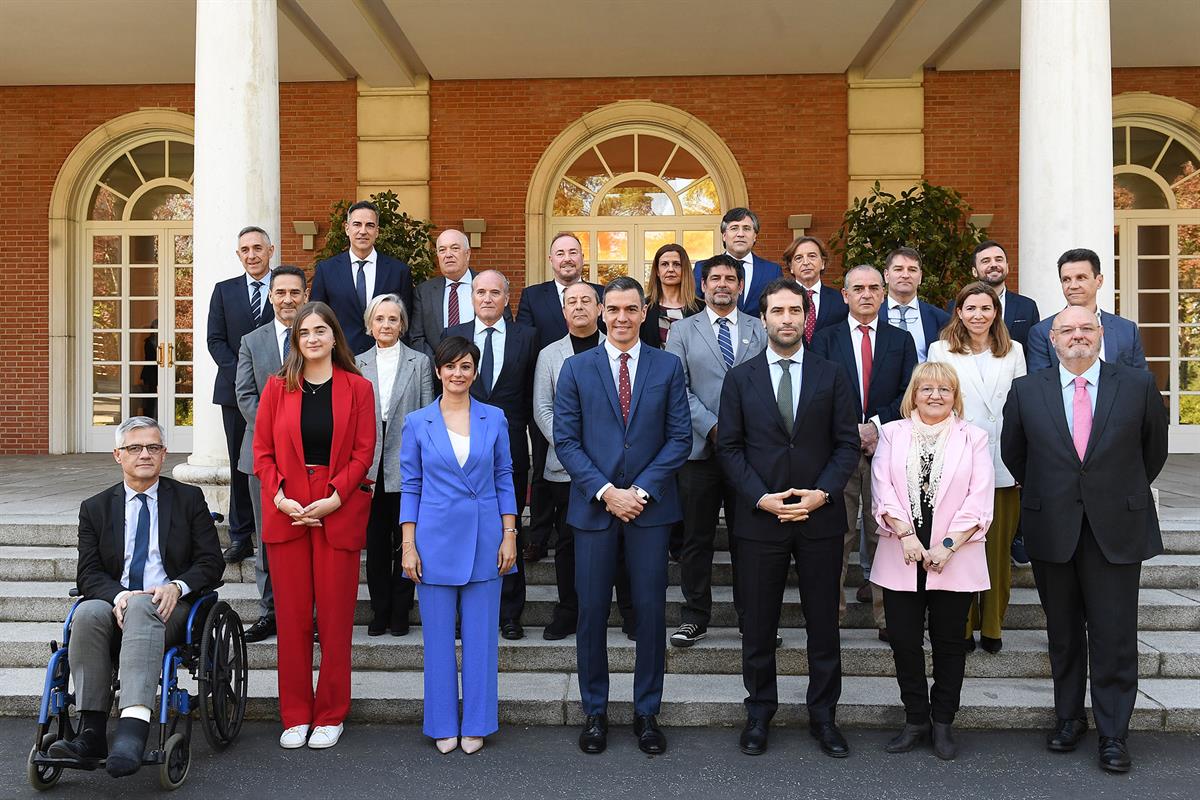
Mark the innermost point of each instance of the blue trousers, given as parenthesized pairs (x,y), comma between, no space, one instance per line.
(480,606)
(595,571)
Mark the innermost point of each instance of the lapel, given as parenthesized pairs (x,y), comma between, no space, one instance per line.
(928,325)
(600,361)
(972,379)
(369,367)
(342,397)
(709,335)
(1106,396)
(404,373)
(505,361)
(1010,307)
(845,343)
(760,377)
(240,302)
(166,495)
(954,453)
(291,410)
(643,375)
(480,435)
(270,347)
(878,354)
(808,380)
(1112,347)
(439,438)
(1052,395)
(750,344)
(116,513)
(437,294)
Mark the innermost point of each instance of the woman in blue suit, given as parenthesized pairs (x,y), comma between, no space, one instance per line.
(458,519)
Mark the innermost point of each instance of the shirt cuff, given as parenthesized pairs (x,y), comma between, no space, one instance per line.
(603,489)
(759,503)
(875,421)
(184,591)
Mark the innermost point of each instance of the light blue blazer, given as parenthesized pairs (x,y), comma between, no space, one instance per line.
(456,509)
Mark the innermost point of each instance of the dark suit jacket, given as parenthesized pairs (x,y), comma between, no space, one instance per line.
(333,283)
(831,309)
(1020,315)
(933,319)
(229,319)
(764,272)
(760,456)
(426,317)
(187,540)
(1111,485)
(540,308)
(892,363)
(1122,344)
(513,390)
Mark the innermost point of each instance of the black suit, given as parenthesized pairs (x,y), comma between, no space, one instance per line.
(334,283)
(893,359)
(759,456)
(427,318)
(512,394)
(1088,525)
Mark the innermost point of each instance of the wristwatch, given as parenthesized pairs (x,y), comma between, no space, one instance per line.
(642,493)
(948,543)
(828,499)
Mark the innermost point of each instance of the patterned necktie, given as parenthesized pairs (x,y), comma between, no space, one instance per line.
(287,344)
(624,388)
(141,545)
(452,312)
(256,301)
(360,283)
(903,316)
(787,406)
(725,342)
(810,318)
(1081,410)
(487,364)
(865,351)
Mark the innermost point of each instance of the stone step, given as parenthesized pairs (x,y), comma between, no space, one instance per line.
(552,698)
(1158,609)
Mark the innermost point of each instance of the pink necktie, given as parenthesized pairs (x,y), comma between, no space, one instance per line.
(1081,411)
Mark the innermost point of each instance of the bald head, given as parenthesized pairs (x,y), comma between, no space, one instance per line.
(1076,335)
(489,295)
(453,254)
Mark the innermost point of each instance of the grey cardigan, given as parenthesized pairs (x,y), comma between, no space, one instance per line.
(545,379)
(412,389)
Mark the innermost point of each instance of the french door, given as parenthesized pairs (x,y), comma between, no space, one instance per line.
(615,246)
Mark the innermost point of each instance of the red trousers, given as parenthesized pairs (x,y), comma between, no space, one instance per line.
(307,571)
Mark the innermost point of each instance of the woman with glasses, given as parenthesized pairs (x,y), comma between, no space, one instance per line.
(932,485)
(976,343)
(670,294)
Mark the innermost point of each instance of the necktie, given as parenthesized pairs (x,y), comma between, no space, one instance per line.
(866,364)
(452,312)
(141,545)
(725,342)
(360,283)
(1081,410)
(810,317)
(287,344)
(787,406)
(256,300)
(903,316)
(487,364)
(624,388)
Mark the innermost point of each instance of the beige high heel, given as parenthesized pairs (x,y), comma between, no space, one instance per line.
(447,745)
(472,744)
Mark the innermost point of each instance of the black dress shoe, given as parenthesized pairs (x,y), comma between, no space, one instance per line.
(534,553)
(1114,755)
(594,737)
(261,630)
(833,744)
(651,739)
(909,737)
(991,645)
(377,627)
(1065,737)
(511,629)
(128,748)
(944,746)
(399,627)
(863,595)
(884,636)
(970,644)
(89,745)
(558,629)
(753,740)
(628,630)
(239,551)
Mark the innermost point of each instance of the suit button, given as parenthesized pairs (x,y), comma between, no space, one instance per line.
(991,419)
(627,445)
(472,495)
(791,446)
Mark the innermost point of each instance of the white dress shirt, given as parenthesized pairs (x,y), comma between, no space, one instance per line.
(497,345)
(815,297)
(614,363)
(714,319)
(282,331)
(856,345)
(748,267)
(797,360)
(1001,293)
(154,573)
(368,269)
(560,287)
(1067,379)
(466,311)
(915,328)
(461,446)
(263,301)
(387,361)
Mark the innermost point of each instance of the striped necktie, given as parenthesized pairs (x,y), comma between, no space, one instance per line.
(725,342)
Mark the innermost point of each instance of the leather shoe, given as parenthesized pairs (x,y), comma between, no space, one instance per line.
(378,627)
(909,737)
(1114,755)
(594,737)
(969,644)
(511,629)
(833,744)
(558,629)
(261,630)
(863,595)
(944,746)
(651,739)
(129,746)
(753,740)
(1066,736)
(884,636)
(90,744)
(991,645)
(238,551)
(399,627)
(534,553)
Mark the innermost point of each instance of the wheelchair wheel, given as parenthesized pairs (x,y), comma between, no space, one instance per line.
(177,761)
(42,777)
(222,676)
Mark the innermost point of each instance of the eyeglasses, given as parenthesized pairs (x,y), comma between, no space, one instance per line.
(136,449)
(930,391)
(1086,330)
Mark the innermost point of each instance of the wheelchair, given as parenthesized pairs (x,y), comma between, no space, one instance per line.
(213,651)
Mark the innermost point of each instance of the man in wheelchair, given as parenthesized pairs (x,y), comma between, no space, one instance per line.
(147,547)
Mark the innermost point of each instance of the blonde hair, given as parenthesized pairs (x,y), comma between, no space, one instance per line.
(932,372)
(379,300)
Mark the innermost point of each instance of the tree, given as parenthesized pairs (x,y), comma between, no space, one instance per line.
(400,236)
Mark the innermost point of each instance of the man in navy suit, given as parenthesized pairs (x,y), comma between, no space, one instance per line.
(238,306)
(739,232)
(806,258)
(349,280)
(1079,274)
(622,430)
(504,380)
(1020,312)
(922,321)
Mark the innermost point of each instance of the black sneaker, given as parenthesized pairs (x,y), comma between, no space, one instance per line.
(688,634)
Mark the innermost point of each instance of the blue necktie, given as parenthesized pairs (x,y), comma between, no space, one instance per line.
(724,342)
(360,283)
(903,316)
(256,301)
(287,344)
(141,545)
(488,362)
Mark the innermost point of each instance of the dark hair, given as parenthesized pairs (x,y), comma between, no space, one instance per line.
(781,285)
(1080,254)
(452,348)
(958,338)
(687,279)
(723,260)
(254,229)
(292,370)
(795,245)
(360,205)
(907,252)
(288,269)
(737,215)
(623,284)
(561,234)
(987,244)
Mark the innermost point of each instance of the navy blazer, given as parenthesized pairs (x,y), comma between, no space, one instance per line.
(933,319)
(456,509)
(333,283)
(1020,315)
(1122,344)
(596,447)
(831,309)
(229,319)
(540,308)
(513,391)
(892,363)
(764,272)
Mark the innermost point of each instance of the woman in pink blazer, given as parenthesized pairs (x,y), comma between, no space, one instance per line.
(933,490)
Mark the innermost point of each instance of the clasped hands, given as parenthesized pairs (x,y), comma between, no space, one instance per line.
(311,514)
(775,503)
(166,597)
(934,559)
(624,504)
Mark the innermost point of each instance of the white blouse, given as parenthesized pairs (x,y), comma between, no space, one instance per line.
(461,445)
(387,360)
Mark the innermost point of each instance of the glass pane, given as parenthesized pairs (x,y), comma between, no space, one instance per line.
(106,411)
(1154,273)
(181,159)
(1189,308)
(143,281)
(1189,273)
(143,378)
(144,407)
(701,199)
(121,178)
(143,346)
(105,205)
(106,282)
(612,246)
(183,411)
(571,201)
(143,313)
(1187,191)
(106,249)
(699,244)
(618,153)
(1189,376)
(635,199)
(183,248)
(1189,341)
(1189,239)
(1154,307)
(163,202)
(1189,409)
(106,346)
(1118,146)
(1161,370)
(1145,145)
(606,272)
(106,314)
(183,346)
(653,152)
(151,159)
(585,241)
(1176,163)
(143,249)
(1136,191)
(652,240)
(587,170)
(183,281)
(183,315)
(1154,240)
(106,378)
(683,169)
(1156,340)
(183,380)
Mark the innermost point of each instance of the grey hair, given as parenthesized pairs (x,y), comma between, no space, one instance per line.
(254,229)
(494,272)
(860,268)
(136,423)
(379,300)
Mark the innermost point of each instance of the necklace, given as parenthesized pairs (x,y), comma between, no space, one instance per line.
(313,388)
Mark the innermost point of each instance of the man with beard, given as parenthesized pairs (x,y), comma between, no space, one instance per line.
(1020,312)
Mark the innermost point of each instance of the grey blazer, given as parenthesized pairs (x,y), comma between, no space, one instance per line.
(545,379)
(694,340)
(426,323)
(412,389)
(258,360)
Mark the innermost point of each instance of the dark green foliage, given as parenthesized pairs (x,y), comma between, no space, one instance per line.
(400,236)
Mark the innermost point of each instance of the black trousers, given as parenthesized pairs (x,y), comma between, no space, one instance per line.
(762,575)
(905,613)
(566,610)
(512,590)
(1091,609)
(241,513)
(543,523)
(391,593)
(703,490)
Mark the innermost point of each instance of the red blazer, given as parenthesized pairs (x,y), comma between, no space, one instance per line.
(279,459)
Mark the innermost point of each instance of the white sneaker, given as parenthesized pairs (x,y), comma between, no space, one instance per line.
(324,736)
(294,737)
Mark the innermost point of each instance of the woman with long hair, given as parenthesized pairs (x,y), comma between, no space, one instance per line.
(670,295)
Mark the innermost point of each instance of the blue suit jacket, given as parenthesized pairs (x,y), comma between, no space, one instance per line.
(647,452)
(831,309)
(540,308)
(333,283)
(892,364)
(228,321)
(933,319)
(1122,344)
(456,509)
(764,272)
(1020,315)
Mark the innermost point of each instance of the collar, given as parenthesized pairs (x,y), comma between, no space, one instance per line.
(1092,373)
(388,353)
(614,354)
(748,258)
(731,316)
(265,280)
(280,328)
(894,303)
(480,327)
(1001,291)
(815,288)
(873,324)
(796,358)
(466,278)
(152,492)
(370,259)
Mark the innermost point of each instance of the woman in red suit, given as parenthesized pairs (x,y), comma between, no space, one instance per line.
(314,439)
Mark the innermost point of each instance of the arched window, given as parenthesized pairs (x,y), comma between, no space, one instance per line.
(152,181)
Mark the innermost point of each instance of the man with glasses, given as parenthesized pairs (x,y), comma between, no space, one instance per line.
(920,320)
(739,233)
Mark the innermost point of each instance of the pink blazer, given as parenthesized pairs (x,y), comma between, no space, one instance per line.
(965,499)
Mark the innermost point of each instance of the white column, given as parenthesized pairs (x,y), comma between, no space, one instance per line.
(236,184)
(1066,143)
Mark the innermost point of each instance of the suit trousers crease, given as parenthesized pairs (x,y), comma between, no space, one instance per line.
(242,519)
(987,612)
(1091,610)
(947,612)
(512,592)
(858,499)
(143,641)
(262,569)
(391,593)
(566,610)
(703,490)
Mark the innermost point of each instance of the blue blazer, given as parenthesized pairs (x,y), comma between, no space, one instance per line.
(228,321)
(933,319)
(540,308)
(646,453)
(1122,344)
(831,310)
(764,272)
(892,364)
(1020,315)
(456,509)
(333,283)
